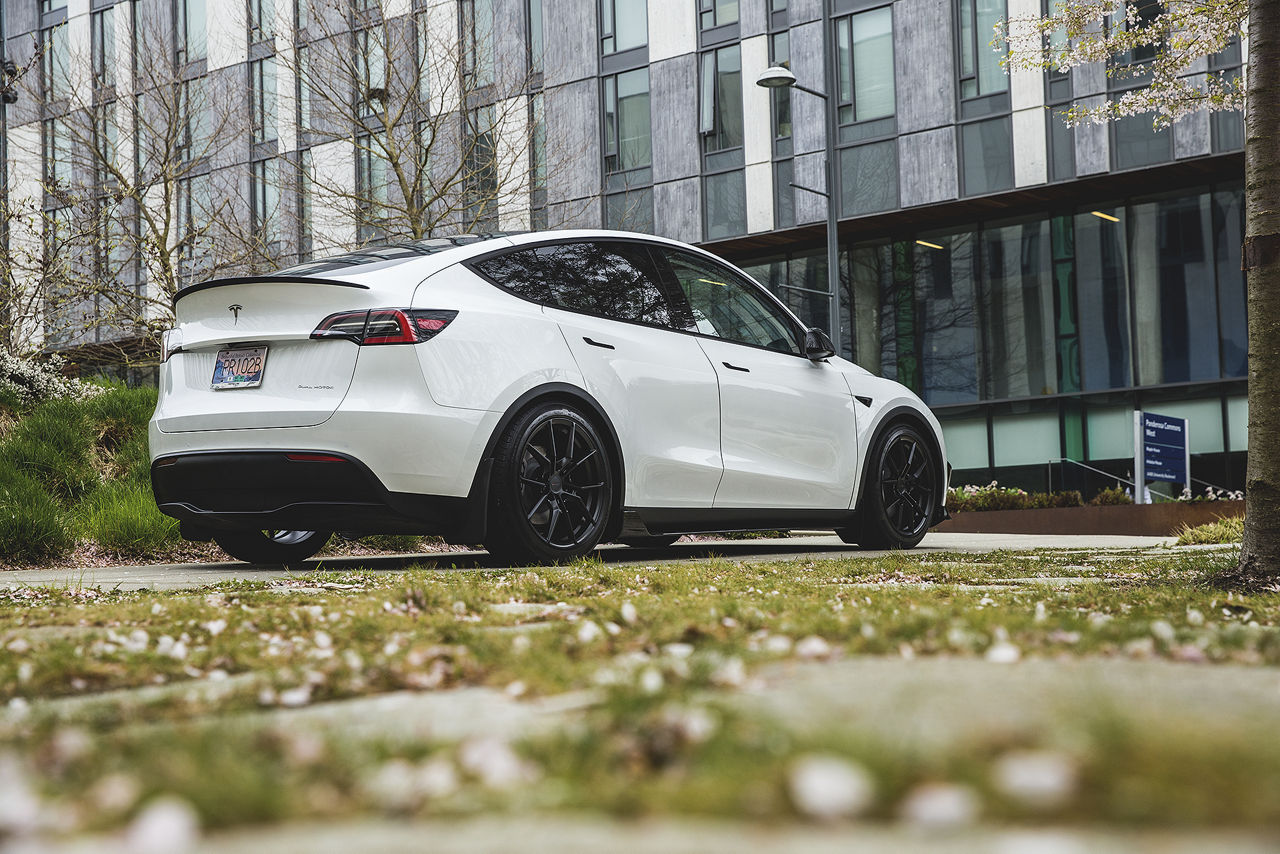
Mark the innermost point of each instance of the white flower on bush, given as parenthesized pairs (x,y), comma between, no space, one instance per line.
(34,381)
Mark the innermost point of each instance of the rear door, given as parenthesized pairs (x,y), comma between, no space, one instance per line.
(654,383)
(787,432)
(267,324)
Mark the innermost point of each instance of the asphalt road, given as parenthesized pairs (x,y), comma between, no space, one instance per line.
(798,548)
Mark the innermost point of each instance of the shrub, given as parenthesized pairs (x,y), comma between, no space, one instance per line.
(27,382)
(33,526)
(996,497)
(1111,496)
(1225,529)
(54,445)
(123,517)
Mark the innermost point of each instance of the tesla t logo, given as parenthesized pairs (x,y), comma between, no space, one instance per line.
(235,311)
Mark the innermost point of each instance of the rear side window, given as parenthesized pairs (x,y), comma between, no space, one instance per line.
(614,280)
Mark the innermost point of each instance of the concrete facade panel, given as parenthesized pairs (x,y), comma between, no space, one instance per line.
(1191,136)
(924,64)
(677,210)
(571,38)
(759,197)
(756,114)
(1089,80)
(227,41)
(927,167)
(803,11)
(674,117)
(673,30)
(808,124)
(753,19)
(810,171)
(1030,147)
(1093,143)
(573,161)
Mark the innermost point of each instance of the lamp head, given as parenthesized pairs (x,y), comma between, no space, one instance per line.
(776,77)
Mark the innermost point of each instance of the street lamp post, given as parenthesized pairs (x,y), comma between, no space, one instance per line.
(778,77)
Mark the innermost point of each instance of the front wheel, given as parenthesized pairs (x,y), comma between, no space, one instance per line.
(282,547)
(553,485)
(899,502)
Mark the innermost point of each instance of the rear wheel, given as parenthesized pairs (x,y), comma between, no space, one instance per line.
(552,489)
(282,547)
(899,502)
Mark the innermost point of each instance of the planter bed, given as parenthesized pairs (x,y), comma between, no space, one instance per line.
(1152,520)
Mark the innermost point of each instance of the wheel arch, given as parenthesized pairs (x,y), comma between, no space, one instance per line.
(557,392)
(892,418)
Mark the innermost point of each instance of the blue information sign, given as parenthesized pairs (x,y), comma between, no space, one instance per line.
(1164,449)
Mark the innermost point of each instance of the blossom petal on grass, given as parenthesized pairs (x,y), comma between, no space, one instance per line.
(827,787)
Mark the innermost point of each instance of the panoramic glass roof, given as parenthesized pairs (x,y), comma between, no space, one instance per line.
(386,252)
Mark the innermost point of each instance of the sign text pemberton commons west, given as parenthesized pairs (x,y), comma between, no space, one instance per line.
(1161,451)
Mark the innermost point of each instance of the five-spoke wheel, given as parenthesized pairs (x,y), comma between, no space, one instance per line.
(898,505)
(553,486)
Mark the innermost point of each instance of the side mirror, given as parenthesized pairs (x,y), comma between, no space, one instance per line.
(817,345)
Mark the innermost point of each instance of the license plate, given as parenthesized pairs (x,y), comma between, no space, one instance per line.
(239,368)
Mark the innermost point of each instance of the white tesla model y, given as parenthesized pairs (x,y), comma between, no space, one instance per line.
(539,393)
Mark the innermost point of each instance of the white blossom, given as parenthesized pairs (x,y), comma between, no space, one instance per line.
(829,787)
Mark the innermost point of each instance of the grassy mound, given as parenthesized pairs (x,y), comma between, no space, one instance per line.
(77,467)
(1225,530)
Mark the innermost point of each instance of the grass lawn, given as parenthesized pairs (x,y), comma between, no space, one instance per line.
(771,691)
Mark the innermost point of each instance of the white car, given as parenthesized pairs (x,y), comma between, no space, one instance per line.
(539,393)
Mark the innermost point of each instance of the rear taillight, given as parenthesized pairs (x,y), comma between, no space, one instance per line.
(385,325)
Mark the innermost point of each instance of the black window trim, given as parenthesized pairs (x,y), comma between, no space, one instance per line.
(676,302)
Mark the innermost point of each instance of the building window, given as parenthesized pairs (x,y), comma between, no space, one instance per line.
(984,149)
(1227,127)
(481,172)
(627,140)
(301,14)
(624,25)
(373,69)
(265,180)
(105,142)
(1136,142)
(980,71)
(477,42)
(104,48)
(535,36)
(47,6)
(864,59)
(305,214)
(192,107)
(537,161)
(717,13)
(372,190)
(55,63)
(262,95)
(191,33)
(302,84)
(720,122)
(193,211)
(262,15)
(57,167)
(720,119)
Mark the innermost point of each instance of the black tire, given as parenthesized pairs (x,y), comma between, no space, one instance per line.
(274,547)
(902,494)
(552,489)
(653,541)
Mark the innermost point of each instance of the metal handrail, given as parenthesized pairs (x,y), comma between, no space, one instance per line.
(1105,474)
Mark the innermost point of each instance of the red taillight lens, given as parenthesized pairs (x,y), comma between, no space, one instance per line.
(385,325)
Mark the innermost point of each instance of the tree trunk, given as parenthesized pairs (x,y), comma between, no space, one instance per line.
(1259,565)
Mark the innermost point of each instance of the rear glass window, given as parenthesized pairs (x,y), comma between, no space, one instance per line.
(615,280)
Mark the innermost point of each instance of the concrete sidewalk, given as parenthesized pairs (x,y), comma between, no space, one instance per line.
(809,545)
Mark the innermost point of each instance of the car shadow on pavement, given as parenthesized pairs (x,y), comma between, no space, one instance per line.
(607,554)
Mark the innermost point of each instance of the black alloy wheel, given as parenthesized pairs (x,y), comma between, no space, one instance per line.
(900,502)
(272,546)
(553,487)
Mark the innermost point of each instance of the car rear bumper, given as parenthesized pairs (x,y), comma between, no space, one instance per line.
(302,490)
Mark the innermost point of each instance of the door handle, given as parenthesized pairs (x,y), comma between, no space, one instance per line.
(736,368)
(597,343)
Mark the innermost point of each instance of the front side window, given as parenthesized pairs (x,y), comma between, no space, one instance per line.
(727,306)
(624,25)
(613,280)
(980,71)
